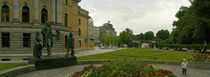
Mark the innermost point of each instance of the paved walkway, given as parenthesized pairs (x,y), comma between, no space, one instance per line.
(191,72)
(18,57)
(67,71)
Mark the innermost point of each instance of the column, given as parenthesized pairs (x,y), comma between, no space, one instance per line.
(15,12)
(53,11)
(59,12)
(36,12)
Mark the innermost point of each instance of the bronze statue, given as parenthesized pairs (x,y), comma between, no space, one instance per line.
(37,47)
(47,38)
(70,45)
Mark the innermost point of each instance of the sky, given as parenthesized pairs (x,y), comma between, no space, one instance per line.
(139,15)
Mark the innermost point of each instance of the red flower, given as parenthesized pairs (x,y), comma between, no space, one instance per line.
(193,55)
(153,73)
(139,65)
(94,70)
(159,74)
(138,73)
(116,76)
(76,75)
(124,75)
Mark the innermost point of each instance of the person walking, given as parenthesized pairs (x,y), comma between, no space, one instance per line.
(184,66)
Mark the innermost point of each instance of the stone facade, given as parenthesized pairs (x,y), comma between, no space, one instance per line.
(65,15)
(94,32)
(107,30)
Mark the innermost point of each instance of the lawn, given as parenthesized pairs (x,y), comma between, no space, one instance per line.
(5,66)
(140,53)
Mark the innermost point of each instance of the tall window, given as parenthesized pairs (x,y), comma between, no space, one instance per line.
(66,39)
(44,15)
(26,40)
(25,14)
(5,13)
(66,1)
(80,43)
(66,20)
(79,32)
(5,39)
(79,21)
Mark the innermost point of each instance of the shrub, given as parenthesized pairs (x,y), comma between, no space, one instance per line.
(176,46)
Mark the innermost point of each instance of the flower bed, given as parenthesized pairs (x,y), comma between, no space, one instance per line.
(123,69)
(200,57)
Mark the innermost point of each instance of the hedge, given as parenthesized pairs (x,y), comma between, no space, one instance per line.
(189,46)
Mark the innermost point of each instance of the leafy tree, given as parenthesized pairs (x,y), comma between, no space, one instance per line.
(162,34)
(193,24)
(115,41)
(111,39)
(108,41)
(139,37)
(149,35)
(103,39)
(126,37)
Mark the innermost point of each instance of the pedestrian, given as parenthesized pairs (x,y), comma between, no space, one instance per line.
(184,66)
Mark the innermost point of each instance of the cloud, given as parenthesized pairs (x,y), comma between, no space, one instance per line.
(139,15)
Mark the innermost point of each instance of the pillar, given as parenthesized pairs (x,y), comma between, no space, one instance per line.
(16,11)
(36,12)
(53,6)
(59,12)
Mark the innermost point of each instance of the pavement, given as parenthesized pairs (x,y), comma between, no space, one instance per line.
(16,58)
(68,71)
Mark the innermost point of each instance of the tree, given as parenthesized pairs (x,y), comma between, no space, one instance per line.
(162,34)
(103,39)
(149,35)
(111,40)
(108,41)
(126,37)
(139,37)
(193,24)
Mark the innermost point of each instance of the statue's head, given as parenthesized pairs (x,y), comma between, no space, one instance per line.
(48,24)
(37,33)
(71,34)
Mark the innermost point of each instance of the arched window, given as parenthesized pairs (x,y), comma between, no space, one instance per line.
(25,14)
(44,15)
(5,13)
(79,32)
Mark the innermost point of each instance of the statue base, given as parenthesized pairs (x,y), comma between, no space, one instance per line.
(52,62)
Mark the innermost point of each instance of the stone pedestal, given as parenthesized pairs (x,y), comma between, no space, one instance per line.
(52,62)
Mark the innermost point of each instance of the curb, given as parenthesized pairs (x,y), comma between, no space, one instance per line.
(17,71)
(196,65)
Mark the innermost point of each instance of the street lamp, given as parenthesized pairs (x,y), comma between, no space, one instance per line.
(154,46)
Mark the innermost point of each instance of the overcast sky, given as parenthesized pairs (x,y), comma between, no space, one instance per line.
(139,15)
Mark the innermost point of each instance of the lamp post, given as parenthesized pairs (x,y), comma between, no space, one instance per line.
(154,46)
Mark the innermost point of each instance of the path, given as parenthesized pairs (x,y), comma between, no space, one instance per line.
(66,71)
(16,58)
(191,72)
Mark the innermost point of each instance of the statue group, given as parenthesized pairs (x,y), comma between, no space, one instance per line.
(48,42)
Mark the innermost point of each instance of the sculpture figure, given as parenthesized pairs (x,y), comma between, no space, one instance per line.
(47,38)
(70,45)
(37,47)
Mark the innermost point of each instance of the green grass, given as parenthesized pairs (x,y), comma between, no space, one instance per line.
(5,66)
(140,53)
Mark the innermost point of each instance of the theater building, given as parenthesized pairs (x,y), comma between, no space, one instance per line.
(20,19)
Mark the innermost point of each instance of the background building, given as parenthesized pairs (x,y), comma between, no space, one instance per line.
(107,30)
(20,19)
(94,33)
